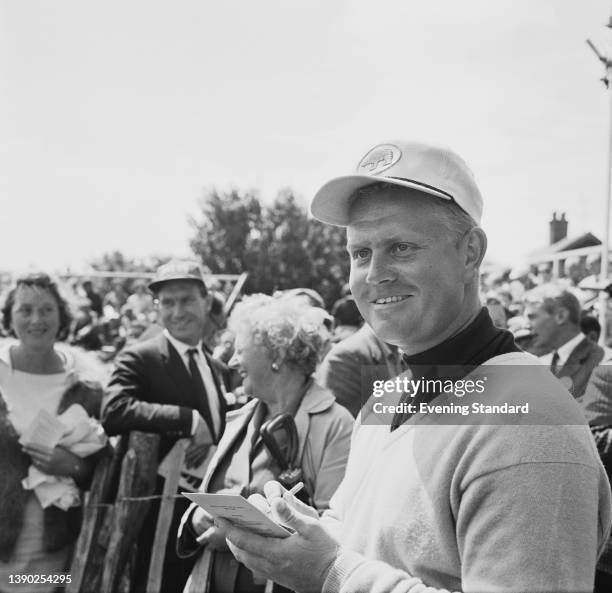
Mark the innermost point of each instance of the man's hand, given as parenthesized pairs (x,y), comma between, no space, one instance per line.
(274,490)
(214,538)
(300,562)
(55,461)
(200,443)
(208,534)
(201,520)
(202,435)
(195,455)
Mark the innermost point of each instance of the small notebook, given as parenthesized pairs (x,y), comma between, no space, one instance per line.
(239,511)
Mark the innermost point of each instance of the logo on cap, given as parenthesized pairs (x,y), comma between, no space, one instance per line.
(379,159)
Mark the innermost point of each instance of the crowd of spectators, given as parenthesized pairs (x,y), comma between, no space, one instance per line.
(108,314)
(76,346)
(99,319)
(507,292)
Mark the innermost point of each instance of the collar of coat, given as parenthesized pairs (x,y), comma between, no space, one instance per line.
(315,401)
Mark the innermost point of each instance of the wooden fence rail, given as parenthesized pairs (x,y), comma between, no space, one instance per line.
(112,519)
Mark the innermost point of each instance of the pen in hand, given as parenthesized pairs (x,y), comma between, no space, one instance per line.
(293,492)
(296,488)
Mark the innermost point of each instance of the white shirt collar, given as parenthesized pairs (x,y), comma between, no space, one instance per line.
(181,347)
(567,348)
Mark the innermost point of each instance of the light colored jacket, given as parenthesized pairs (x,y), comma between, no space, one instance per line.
(324,431)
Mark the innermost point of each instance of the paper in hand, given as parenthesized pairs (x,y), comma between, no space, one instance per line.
(239,511)
(45,431)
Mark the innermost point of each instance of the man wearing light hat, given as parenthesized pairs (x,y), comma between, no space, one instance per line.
(169,385)
(429,505)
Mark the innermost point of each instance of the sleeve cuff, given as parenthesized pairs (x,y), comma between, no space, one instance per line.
(187,543)
(371,575)
(344,564)
(194,422)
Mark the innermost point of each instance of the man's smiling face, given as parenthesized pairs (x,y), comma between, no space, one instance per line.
(408,272)
(183,310)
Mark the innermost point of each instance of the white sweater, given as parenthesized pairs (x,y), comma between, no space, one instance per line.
(474,508)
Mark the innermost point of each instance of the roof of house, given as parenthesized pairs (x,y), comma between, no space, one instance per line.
(567,244)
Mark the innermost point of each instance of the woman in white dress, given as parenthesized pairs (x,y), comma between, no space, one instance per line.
(38,374)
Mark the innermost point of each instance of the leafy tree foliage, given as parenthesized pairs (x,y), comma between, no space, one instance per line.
(116,261)
(227,233)
(278,245)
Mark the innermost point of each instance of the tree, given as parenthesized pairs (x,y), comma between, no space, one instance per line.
(116,261)
(279,245)
(330,260)
(288,252)
(227,234)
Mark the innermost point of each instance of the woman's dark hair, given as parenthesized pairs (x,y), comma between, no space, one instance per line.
(44,282)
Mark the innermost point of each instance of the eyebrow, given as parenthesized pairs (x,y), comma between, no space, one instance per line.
(384,242)
(351,246)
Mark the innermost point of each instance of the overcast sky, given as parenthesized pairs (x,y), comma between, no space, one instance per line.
(116,116)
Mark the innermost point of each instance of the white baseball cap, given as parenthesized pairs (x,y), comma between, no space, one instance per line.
(433,170)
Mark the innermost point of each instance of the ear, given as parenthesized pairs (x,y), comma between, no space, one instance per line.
(474,245)
(561,315)
(209,300)
(278,358)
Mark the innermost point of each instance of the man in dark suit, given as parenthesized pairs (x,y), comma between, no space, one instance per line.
(555,323)
(597,405)
(169,385)
(349,367)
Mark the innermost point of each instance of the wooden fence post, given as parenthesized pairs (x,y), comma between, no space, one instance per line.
(138,475)
(90,547)
(92,517)
(110,527)
(164,517)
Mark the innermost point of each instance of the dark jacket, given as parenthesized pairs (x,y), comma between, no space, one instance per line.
(597,405)
(151,390)
(580,364)
(346,368)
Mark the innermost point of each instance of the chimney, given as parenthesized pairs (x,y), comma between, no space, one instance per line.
(558,228)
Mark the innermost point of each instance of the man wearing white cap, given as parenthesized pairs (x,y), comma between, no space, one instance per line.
(429,505)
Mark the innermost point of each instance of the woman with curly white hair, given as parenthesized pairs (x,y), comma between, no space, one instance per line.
(279,342)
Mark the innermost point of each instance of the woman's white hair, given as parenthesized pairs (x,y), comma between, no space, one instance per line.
(291,330)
